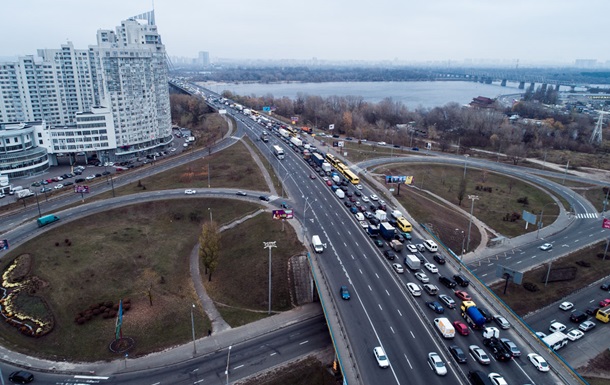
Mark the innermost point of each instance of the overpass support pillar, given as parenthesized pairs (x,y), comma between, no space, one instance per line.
(521,85)
(503,83)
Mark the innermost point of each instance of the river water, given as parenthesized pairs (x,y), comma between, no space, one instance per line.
(412,94)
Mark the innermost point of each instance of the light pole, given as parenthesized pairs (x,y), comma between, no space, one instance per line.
(227,369)
(472,198)
(540,221)
(269,245)
(210,210)
(37,203)
(193,328)
(462,251)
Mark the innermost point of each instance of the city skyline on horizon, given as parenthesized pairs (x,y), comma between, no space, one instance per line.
(470,32)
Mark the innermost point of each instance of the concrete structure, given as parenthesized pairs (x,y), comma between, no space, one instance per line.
(110,99)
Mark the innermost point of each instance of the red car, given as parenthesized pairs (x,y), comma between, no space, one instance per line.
(461,328)
(329,183)
(604,302)
(312,176)
(463,295)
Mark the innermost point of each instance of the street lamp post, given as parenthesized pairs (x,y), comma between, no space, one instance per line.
(472,198)
(193,329)
(37,203)
(541,215)
(210,210)
(269,245)
(227,369)
(462,250)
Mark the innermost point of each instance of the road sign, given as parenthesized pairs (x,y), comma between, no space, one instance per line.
(515,275)
(282,214)
(606,224)
(81,189)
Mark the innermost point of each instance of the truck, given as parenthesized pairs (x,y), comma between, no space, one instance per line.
(396,245)
(412,262)
(472,315)
(318,159)
(278,151)
(387,230)
(373,230)
(296,141)
(24,193)
(326,166)
(497,349)
(264,137)
(396,214)
(381,215)
(445,327)
(284,132)
(556,340)
(247,111)
(47,219)
(340,193)
(14,189)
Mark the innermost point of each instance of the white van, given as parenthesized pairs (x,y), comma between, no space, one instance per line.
(430,245)
(340,193)
(317,244)
(557,327)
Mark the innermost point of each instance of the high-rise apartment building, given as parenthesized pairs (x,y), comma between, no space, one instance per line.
(110,100)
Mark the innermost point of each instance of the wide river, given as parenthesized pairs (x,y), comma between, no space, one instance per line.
(412,94)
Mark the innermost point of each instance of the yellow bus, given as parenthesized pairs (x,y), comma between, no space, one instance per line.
(404,225)
(331,159)
(603,314)
(341,167)
(349,175)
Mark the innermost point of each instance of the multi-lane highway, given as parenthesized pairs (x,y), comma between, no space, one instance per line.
(380,312)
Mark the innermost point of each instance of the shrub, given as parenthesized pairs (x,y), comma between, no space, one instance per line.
(530,286)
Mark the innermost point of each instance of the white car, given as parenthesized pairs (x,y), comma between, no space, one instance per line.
(414,289)
(58,186)
(382,359)
(59,178)
(173,150)
(422,277)
(497,379)
(546,246)
(374,197)
(586,326)
(575,334)
(359,186)
(359,216)
(364,224)
(92,176)
(365,199)
(557,327)
(412,248)
(436,364)
(398,268)
(381,143)
(189,192)
(479,354)
(566,305)
(538,362)
(431,267)
(325,178)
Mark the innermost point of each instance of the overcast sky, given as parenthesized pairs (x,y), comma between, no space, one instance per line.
(407,30)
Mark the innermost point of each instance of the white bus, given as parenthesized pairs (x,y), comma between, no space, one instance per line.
(278,151)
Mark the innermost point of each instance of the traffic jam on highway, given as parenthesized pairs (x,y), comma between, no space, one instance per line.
(482,343)
(484,337)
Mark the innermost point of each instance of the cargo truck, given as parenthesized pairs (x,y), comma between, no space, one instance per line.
(387,230)
(444,327)
(24,193)
(296,141)
(472,315)
(318,159)
(317,244)
(373,230)
(326,167)
(381,215)
(412,262)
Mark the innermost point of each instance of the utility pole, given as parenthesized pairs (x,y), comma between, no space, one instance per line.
(472,198)
(269,245)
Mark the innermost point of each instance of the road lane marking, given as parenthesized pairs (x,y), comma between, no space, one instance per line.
(387,292)
(408,362)
(398,310)
(237,367)
(380,308)
(360,270)
(304,342)
(370,287)
(392,329)
(377,275)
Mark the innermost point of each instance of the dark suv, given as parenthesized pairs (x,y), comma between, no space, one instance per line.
(447,282)
(578,316)
(439,259)
(389,254)
(461,280)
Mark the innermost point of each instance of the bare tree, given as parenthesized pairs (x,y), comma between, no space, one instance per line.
(461,191)
(516,152)
(209,247)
